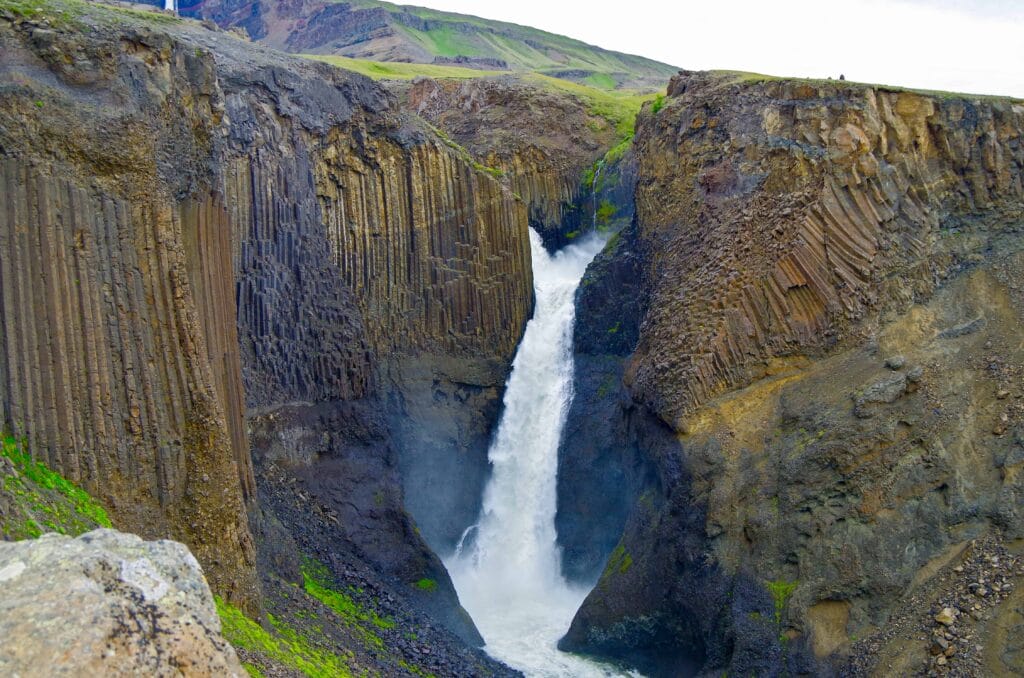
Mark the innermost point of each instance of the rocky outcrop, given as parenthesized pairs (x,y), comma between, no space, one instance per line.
(480,63)
(543,142)
(823,378)
(108,604)
(229,261)
(812,207)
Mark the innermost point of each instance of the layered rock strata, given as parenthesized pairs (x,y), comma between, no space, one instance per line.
(823,377)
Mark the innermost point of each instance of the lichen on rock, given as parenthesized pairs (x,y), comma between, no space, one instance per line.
(108,604)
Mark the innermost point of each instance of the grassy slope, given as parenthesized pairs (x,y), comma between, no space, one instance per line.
(35,500)
(448,36)
(68,12)
(618,106)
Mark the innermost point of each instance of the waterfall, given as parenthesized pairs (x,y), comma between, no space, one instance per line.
(171,5)
(507,567)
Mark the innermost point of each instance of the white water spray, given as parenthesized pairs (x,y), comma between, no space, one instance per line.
(507,568)
(171,5)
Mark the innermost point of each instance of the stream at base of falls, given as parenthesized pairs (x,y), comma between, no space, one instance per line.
(507,569)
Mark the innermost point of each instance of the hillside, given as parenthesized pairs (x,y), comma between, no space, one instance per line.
(381,31)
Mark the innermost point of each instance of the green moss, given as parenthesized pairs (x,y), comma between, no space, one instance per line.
(781,590)
(618,562)
(587,180)
(618,151)
(285,646)
(659,103)
(252,670)
(572,235)
(38,473)
(605,212)
(606,386)
(495,172)
(317,583)
(415,669)
(426,585)
(615,329)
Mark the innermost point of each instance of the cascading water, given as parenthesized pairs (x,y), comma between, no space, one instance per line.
(507,571)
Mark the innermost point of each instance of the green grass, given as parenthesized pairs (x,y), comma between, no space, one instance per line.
(49,502)
(659,103)
(380,70)
(618,107)
(522,47)
(284,646)
(601,81)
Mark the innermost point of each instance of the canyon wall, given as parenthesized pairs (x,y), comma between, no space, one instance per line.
(542,142)
(210,249)
(819,408)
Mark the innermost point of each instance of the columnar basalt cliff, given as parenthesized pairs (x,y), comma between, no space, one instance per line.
(234,243)
(820,408)
(542,142)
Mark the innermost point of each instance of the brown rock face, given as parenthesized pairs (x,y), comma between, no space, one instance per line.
(822,377)
(787,216)
(189,241)
(542,141)
(109,370)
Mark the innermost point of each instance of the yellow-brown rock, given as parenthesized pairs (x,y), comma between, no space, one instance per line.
(807,212)
(812,415)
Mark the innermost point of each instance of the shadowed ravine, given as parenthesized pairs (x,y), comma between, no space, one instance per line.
(507,570)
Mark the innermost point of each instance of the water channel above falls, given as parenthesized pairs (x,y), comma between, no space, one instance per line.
(507,571)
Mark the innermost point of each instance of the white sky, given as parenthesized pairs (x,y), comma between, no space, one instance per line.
(959,45)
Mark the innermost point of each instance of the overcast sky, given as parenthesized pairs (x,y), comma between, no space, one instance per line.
(959,45)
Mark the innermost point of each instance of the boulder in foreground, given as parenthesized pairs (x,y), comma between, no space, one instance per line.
(108,604)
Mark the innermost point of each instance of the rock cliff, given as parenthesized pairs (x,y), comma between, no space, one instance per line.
(541,141)
(214,254)
(819,406)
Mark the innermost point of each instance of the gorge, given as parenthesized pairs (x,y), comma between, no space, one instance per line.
(450,360)
(507,567)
